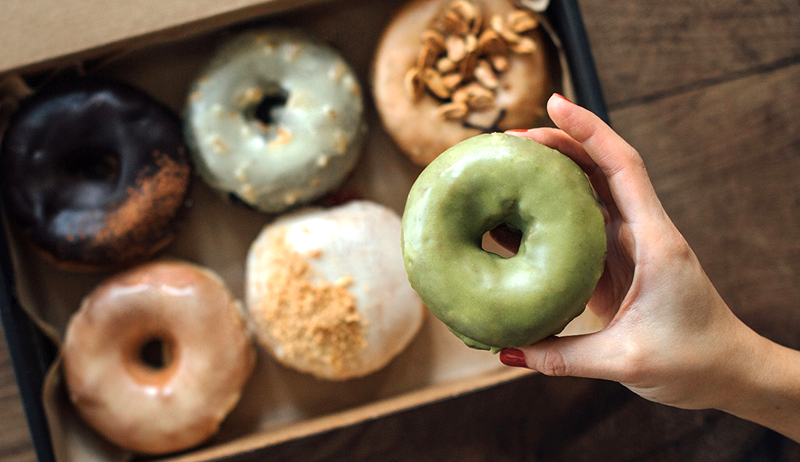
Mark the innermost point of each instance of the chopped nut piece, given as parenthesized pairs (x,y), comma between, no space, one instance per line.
(491,43)
(434,40)
(451,81)
(445,65)
(455,23)
(466,10)
(470,43)
(427,57)
(467,67)
(499,25)
(415,87)
(475,96)
(499,62)
(485,75)
(453,111)
(524,46)
(456,50)
(521,21)
(434,82)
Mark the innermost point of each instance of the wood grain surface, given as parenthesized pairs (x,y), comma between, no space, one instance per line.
(709,93)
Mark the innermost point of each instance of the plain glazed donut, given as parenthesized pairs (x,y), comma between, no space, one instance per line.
(275,119)
(157,356)
(328,293)
(95,174)
(448,70)
(486,181)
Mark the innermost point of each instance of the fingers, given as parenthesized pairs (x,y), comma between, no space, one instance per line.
(593,145)
(573,356)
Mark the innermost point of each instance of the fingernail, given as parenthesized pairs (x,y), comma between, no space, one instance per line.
(513,357)
(517,130)
(560,96)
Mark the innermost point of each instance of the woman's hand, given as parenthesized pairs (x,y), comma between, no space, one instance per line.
(669,337)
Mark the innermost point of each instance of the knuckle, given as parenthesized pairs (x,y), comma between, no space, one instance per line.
(552,363)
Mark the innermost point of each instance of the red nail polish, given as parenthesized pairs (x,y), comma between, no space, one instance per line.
(517,130)
(559,95)
(513,357)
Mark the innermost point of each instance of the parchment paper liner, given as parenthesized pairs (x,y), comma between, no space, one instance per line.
(279,404)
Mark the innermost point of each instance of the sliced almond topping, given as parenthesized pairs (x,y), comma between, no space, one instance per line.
(456,50)
(524,46)
(415,87)
(521,21)
(470,43)
(485,75)
(434,82)
(453,111)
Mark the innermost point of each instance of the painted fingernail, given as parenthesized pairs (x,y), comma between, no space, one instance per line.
(517,130)
(513,357)
(560,96)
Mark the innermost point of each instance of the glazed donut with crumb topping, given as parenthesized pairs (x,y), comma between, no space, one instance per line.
(447,70)
(95,173)
(157,356)
(328,292)
(275,119)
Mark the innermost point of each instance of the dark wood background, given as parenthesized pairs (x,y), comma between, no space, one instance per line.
(709,93)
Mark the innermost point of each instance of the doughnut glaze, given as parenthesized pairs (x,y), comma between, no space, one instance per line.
(157,356)
(95,173)
(488,301)
(328,291)
(276,119)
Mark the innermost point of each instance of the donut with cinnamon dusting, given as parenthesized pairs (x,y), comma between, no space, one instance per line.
(448,70)
(328,292)
(157,356)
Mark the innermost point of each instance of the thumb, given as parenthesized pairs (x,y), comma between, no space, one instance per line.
(576,356)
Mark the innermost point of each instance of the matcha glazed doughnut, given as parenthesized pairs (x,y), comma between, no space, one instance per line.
(488,301)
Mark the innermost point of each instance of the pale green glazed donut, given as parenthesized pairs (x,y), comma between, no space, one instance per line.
(488,301)
(314,129)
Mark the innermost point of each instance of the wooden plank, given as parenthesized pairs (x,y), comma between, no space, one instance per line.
(15,441)
(724,161)
(646,50)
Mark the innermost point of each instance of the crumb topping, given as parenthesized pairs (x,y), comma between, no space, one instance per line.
(317,323)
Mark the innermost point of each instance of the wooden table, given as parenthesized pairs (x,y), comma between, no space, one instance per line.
(709,93)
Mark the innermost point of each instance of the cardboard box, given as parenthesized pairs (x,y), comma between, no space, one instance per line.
(159,46)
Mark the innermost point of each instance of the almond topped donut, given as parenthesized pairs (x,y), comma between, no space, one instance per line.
(157,356)
(448,70)
(275,119)
(328,291)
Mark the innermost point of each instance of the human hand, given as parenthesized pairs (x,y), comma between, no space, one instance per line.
(669,336)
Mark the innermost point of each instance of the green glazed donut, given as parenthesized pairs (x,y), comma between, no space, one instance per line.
(488,301)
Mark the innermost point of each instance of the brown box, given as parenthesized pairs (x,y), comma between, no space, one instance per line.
(159,46)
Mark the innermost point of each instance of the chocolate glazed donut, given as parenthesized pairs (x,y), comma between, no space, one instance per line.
(94,173)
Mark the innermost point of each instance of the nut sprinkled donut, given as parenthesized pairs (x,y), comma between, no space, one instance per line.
(94,173)
(328,292)
(275,119)
(490,180)
(448,70)
(157,356)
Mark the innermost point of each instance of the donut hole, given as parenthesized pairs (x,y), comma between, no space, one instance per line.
(266,110)
(503,240)
(156,353)
(151,359)
(93,165)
